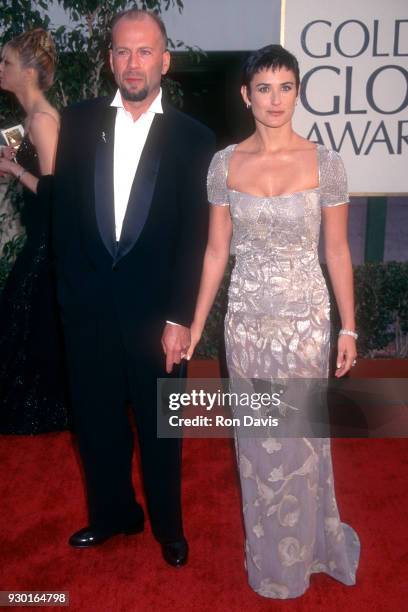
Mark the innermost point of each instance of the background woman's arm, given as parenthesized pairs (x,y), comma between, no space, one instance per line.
(11,168)
(43,132)
(44,136)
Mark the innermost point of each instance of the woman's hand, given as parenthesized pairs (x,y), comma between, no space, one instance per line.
(8,167)
(8,153)
(346,355)
(195,332)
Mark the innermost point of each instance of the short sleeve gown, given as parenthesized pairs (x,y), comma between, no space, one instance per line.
(278,327)
(32,372)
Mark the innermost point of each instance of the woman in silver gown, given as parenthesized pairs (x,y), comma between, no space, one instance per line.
(271,192)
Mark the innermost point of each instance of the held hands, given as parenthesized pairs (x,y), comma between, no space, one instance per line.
(180,342)
(175,342)
(346,355)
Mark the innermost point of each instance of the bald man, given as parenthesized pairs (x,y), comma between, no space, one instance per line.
(129,232)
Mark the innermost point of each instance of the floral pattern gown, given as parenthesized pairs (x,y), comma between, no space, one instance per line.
(278,327)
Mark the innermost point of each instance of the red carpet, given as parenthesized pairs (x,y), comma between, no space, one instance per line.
(42,503)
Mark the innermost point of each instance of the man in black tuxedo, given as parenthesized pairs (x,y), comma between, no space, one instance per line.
(129,232)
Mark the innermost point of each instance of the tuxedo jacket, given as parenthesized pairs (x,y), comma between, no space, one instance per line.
(153,273)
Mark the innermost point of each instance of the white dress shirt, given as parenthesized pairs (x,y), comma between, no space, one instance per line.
(130,138)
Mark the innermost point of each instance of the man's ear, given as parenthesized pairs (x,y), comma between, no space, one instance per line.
(166,62)
(111,59)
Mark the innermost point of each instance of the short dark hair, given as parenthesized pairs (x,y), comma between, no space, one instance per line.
(271,56)
(138,14)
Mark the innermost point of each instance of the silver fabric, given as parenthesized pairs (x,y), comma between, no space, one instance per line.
(277,327)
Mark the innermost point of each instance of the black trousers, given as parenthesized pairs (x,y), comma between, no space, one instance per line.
(104,377)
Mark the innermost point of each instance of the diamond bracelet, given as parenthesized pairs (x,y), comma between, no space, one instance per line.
(348,332)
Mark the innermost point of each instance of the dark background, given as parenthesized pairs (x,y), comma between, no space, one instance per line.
(211,93)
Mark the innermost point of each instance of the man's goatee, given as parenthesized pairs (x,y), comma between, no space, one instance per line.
(131,96)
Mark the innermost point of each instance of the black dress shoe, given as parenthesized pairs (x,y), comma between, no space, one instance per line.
(176,553)
(92,536)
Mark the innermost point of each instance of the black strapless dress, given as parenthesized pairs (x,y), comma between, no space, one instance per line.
(33,395)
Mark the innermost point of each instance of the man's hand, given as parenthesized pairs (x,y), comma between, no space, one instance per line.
(175,342)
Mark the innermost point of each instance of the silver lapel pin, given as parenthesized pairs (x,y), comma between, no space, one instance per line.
(104,137)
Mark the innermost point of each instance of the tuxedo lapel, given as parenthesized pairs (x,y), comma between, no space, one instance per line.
(103,180)
(143,185)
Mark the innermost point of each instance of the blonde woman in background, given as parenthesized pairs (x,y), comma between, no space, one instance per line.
(32,396)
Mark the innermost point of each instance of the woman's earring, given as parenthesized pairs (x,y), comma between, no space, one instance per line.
(248,105)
